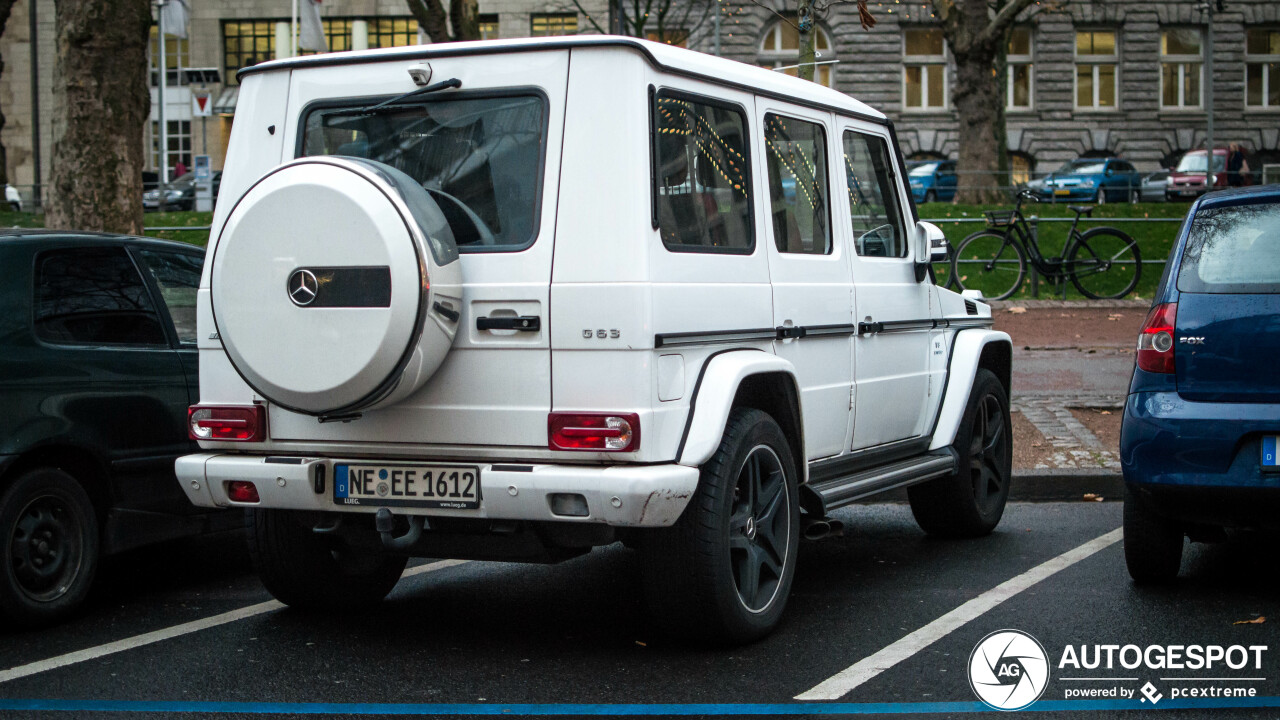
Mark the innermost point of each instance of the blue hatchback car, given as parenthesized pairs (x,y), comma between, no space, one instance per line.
(933,181)
(1198,442)
(1097,180)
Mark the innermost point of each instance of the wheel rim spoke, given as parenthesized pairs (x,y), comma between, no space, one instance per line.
(759,528)
(45,549)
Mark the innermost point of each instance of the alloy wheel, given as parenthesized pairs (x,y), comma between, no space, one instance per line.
(987,454)
(759,529)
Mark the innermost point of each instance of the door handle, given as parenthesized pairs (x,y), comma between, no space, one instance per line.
(524,323)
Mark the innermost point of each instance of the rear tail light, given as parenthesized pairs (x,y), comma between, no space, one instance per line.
(617,432)
(237,423)
(242,491)
(1155,341)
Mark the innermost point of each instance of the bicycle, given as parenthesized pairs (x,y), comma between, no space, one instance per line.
(1102,262)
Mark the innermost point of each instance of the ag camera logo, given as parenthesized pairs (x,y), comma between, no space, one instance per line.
(1008,670)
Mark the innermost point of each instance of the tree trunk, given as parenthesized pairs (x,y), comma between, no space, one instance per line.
(980,111)
(432,18)
(101,103)
(804,23)
(465,17)
(6,7)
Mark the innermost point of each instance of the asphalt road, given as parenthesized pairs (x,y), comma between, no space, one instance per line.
(497,636)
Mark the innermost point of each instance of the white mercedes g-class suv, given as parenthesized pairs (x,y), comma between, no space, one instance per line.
(514,300)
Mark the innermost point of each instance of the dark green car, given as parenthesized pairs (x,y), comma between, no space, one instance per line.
(97,368)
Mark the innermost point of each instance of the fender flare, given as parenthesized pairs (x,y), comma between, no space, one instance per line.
(713,398)
(966,351)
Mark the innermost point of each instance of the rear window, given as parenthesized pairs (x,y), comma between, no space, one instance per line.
(480,158)
(1234,249)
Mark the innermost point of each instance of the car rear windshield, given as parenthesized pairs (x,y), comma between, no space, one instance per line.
(1234,249)
(480,158)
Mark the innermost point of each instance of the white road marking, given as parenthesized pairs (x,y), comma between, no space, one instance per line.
(840,684)
(169,633)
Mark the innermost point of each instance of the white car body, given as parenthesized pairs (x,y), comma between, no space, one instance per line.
(877,360)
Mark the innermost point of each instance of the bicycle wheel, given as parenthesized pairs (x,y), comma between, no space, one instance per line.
(990,262)
(1105,263)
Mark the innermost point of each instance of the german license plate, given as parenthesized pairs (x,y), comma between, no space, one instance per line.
(1186,192)
(455,487)
(1062,191)
(1269,454)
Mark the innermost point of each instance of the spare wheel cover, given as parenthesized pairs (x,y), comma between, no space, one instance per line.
(318,286)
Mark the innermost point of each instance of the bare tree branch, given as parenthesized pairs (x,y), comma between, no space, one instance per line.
(1003,20)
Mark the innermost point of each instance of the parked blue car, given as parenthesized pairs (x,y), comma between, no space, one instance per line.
(933,181)
(1198,442)
(1097,180)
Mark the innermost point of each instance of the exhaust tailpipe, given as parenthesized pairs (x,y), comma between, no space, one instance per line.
(822,528)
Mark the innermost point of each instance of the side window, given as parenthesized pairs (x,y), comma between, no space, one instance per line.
(873,204)
(702,191)
(178,277)
(797,161)
(93,296)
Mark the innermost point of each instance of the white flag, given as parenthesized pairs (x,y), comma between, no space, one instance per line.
(175,17)
(310,29)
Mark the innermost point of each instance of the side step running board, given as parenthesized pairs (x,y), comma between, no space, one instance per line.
(846,489)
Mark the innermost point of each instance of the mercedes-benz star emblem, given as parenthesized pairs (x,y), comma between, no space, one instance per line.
(303,287)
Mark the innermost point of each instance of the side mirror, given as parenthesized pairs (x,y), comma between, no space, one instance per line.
(931,243)
(1111,171)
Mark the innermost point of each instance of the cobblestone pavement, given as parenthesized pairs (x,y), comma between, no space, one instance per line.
(1074,445)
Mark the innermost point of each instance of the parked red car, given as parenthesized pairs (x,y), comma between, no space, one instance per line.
(1187,181)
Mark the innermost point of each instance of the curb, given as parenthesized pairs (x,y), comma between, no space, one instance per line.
(1055,485)
(1032,304)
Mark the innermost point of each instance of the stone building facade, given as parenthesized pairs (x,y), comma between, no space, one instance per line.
(1086,77)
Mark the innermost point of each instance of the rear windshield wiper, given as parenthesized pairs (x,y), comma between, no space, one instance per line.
(444,85)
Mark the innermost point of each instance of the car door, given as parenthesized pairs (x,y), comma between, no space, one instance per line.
(174,278)
(809,270)
(118,385)
(891,307)
(947,181)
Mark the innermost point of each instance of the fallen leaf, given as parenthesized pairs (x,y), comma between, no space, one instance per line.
(641,644)
(1077,335)
(1256,621)
(1092,496)
(1017,310)
(1105,412)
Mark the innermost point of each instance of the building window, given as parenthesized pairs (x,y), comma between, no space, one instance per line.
(1020,167)
(544,24)
(337,31)
(1262,68)
(924,71)
(1180,63)
(246,43)
(397,32)
(489,27)
(1096,61)
(1018,59)
(176,57)
(179,145)
(780,48)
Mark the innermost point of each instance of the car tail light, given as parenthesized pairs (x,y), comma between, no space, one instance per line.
(1155,341)
(610,432)
(237,423)
(242,491)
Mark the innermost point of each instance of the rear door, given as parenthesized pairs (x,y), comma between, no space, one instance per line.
(812,285)
(488,150)
(1227,334)
(114,380)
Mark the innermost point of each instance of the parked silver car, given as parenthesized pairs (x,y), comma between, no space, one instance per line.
(1153,186)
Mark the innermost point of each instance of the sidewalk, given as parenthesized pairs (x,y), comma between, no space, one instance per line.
(1072,362)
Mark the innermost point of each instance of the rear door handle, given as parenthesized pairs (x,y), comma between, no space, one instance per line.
(524,323)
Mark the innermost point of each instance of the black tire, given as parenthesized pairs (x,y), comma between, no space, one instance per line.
(1152,544)
(930,196)
(971,502)
(304,570)
(990,262)
(1105,264)
(696,572)
(49,544)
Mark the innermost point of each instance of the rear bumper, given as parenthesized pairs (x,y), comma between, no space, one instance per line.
(616,495)
(1168,441)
